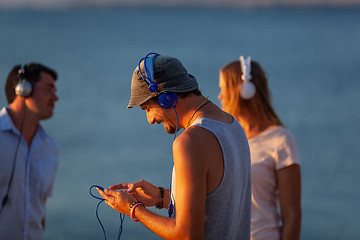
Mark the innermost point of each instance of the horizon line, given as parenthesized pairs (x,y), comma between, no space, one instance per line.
(246,5)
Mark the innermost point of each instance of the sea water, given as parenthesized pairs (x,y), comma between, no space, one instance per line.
(311,57)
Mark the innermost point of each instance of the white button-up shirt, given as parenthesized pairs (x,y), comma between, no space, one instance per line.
(34,175)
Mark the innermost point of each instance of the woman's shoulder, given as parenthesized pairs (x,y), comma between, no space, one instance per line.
(275,134)
(284,134)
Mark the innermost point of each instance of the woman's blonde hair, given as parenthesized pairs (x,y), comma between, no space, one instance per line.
(257,109)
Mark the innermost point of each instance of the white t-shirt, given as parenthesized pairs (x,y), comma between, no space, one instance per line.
(271,150)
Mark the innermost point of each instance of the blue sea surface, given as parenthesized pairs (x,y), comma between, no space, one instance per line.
(311,57)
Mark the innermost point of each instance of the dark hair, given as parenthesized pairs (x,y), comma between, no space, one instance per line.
(32,73)
(196,92)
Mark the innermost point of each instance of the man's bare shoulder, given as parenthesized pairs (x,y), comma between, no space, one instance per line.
(196,140)
(197,153)
(196,135)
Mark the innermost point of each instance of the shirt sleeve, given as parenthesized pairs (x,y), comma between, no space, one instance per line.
(287,153)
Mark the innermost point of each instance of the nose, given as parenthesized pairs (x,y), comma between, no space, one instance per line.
(150,119)
(55,97)
(220,96)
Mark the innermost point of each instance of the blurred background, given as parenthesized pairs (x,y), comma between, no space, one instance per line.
(309,50)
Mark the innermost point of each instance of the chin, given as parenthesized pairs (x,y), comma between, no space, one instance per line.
(169,129)
(47,116)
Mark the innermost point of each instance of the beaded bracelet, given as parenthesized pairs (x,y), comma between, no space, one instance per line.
(160,205)
(133,205)
(132,209)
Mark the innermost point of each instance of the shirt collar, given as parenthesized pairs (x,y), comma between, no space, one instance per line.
(6,124)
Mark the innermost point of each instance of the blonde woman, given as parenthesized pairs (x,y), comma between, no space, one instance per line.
(275,169)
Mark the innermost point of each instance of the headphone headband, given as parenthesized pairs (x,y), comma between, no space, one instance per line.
(248,88)
(246,68)
(149,71)
(21,72)
(166,99)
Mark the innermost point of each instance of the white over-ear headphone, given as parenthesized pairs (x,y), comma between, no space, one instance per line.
(23,88)
(248,88)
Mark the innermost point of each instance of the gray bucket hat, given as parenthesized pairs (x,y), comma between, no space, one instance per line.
(170,75)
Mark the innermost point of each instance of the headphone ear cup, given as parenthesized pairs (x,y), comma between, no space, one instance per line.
(167,100)
(23,89)
(153,86)
(248,90)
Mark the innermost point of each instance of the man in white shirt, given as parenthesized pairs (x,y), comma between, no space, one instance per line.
(28,156)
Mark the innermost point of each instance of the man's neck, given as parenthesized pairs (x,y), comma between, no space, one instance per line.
(186,108)
(188,105)
(23,121)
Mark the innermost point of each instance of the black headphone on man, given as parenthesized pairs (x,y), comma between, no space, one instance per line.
(165,99)
(23,88)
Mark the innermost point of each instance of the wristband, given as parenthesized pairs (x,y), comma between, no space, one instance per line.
(160,205)
(132,210)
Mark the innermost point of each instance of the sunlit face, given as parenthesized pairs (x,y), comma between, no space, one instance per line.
(42,100)
(222,87)
(157,114)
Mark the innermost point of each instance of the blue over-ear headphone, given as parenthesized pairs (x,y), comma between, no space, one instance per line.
(166,99)
(23,88)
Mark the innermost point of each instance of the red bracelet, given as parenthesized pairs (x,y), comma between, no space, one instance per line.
(132,212)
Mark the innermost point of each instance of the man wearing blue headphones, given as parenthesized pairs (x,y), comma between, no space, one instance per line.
(210,194)
(28,156)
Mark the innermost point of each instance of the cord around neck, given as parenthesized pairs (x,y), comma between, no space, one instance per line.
(206,101)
